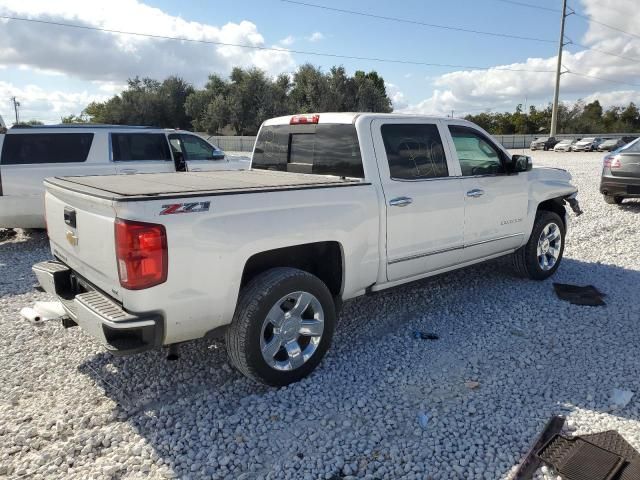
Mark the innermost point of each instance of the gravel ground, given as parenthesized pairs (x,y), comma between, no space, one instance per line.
(381,405)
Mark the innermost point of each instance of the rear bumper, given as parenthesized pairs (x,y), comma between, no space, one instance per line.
(120,331)
(620,186)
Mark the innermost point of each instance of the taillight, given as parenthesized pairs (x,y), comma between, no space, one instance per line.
(612,161)
(141,251)
(304,119)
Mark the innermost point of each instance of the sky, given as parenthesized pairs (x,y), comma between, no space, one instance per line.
(55,71)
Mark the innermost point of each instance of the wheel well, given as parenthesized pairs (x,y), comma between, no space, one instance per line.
(555,205)
(322,259)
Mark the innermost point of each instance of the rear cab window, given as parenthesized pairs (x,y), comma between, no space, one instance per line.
(35,148)
(323,149)
(129,147)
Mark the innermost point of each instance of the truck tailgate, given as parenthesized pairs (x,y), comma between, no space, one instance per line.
(81,232)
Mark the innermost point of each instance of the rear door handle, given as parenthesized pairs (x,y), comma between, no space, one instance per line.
(129,171)
(475,193)
(400,201)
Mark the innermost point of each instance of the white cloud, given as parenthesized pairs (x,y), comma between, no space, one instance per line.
(397,97)
(47,106)
(287,41)
(499,88)
(111,57)
(615,98)
(316,37)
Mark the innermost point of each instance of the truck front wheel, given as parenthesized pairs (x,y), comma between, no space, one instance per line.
(541,256)
(282,326)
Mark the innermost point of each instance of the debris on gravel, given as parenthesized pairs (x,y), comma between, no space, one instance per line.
(69,410)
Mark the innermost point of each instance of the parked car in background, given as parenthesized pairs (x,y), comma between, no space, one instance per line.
(628,139)
(564,145)
(588,144)
(621,173)
(543,143)
(31,154)
(335,206)
(610,144)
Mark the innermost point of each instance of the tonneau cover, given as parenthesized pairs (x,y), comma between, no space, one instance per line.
(186,184)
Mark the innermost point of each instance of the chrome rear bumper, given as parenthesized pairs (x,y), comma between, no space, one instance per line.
(120,331)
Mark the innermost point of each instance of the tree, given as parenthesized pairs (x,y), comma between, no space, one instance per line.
(146,102)
(30,123)
(240,103)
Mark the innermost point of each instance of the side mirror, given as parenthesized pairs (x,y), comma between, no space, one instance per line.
(521,163)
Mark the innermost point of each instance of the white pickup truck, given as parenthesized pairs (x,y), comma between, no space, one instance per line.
(335,206)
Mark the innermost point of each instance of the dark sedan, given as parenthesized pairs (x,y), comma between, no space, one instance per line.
(621,174)
(611,144)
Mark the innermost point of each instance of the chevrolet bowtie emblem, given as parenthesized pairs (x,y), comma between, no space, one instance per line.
(72,238)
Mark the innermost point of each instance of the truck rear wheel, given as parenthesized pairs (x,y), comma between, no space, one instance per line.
(282,326)
(541,256)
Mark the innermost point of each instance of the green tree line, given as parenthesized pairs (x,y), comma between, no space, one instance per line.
(579,117)
(240,103)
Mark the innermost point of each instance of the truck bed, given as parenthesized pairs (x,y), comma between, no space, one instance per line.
(125,188)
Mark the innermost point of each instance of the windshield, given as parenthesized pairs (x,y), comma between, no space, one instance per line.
(588,139)
(631,147)
(566,142)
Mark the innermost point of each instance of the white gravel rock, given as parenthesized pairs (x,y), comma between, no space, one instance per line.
(70,410)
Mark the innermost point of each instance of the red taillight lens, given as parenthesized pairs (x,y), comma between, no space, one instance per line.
(141,251)
(304,119)
(612,161)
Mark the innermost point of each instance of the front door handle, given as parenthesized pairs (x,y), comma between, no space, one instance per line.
(400,201)
(475,193)
(129,171)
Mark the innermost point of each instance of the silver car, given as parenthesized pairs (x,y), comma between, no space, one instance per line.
(564,145)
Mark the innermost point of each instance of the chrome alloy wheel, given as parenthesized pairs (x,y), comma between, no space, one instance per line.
(549,245)
(292,331)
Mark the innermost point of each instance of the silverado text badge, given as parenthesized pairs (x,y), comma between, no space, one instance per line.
(189,207)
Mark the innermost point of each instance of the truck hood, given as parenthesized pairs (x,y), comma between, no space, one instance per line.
(555,180)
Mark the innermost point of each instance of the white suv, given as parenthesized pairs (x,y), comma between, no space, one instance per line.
(31,154)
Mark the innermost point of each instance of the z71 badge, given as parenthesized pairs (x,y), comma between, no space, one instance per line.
(190,207)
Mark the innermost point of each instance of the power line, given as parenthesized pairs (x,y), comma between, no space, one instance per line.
(604,52)
(589,19)
(570,72)
(529,5)
(416,22)
(274,49)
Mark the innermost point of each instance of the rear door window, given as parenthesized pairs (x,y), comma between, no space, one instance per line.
(139,147)
(324,149)
(414,151)
(30,148)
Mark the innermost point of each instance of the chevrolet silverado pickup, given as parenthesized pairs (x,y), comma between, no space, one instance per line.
(334,206)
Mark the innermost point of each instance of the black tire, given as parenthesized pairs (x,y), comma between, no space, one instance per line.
(256,299)
(613,199)
(525,259)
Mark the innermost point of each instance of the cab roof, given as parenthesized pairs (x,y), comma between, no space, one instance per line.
(351,117)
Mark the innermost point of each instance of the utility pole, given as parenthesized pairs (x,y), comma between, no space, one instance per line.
(556,94)
(16,104)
